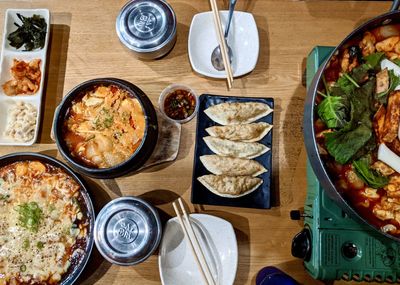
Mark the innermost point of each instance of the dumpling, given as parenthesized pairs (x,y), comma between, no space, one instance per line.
(230,187)
(247,133)
(236,149)
(231,166)
(237,113)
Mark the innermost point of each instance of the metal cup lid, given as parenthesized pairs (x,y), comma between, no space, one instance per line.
(127,231)
(146,25)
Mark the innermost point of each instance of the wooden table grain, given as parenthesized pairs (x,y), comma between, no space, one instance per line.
(84,45)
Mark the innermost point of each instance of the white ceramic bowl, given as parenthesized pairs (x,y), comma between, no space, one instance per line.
(243,40)
(218,241)
(170,89)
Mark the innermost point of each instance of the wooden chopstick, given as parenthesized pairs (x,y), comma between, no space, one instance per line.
(195,240)
(222,43)
(201,263)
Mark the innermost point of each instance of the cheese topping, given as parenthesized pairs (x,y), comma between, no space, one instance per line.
(41,223)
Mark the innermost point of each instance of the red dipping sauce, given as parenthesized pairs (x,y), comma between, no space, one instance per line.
(179,104)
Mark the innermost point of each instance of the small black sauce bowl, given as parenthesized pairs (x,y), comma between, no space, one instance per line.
(141,154)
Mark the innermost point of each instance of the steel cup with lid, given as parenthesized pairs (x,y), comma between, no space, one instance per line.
(147,27)
(127,231)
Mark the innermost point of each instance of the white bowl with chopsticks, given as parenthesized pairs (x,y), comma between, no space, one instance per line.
(243,40)
(218,241)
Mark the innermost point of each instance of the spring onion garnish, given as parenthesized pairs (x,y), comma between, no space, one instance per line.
(30,216)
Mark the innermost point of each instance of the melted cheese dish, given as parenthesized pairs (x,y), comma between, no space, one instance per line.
(42,227)
(104,127)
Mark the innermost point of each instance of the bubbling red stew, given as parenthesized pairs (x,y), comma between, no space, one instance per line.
(357,125)
(104,127)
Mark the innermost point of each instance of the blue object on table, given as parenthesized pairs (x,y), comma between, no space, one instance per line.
(273,276)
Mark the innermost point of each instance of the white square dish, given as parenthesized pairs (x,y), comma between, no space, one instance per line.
(217,239)
(9,53)
(243,40)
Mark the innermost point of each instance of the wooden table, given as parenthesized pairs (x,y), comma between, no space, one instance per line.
(84,45)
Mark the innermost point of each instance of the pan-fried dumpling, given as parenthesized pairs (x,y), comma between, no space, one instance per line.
(237,113)
(247,133)
(231,166)
(235,149)
(230,187)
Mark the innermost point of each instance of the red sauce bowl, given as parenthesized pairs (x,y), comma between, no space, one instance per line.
(178,103)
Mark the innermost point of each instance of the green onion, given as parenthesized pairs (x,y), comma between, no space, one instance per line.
(4,197)
(22,268)
(351,80)
(51,208)
(25,244)
(30,216)
(39,245)
(322,94)
(326,86)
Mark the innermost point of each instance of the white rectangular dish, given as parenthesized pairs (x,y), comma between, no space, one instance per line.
(8,54)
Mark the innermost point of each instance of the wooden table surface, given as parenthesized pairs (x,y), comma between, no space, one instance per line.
(84,45)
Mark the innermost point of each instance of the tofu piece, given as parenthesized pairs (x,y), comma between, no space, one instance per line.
(387,44)
(392,117)
(383,168)
(395,146)
(382,81)
(378,123)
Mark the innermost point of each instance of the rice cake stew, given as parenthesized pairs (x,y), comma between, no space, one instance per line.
(104,127)
(43,223)
(357,125)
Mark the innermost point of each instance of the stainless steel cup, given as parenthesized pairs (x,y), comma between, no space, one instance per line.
(147,27)
(127,231)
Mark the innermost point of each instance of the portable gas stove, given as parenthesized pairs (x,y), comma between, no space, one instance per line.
(332,245)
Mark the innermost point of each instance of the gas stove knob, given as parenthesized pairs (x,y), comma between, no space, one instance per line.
(301,245)
(349,250)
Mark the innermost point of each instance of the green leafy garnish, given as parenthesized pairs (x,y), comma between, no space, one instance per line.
(394,81)
(360,73)
(362,100)
(351,80)
(31,34)
(345,84)
(343,145)
(368,175)
(374,59)
(39,245)
(30,216)
(396,61)
(333,111)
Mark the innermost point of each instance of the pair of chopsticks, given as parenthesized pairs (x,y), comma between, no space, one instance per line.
(193,243)
(222,43)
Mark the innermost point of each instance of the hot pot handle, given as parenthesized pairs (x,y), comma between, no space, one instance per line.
(395,5)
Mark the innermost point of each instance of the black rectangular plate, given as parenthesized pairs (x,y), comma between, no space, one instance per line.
(260,198)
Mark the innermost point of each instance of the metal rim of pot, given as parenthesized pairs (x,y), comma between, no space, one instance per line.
(70,278)
(141,154)
(309,117)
